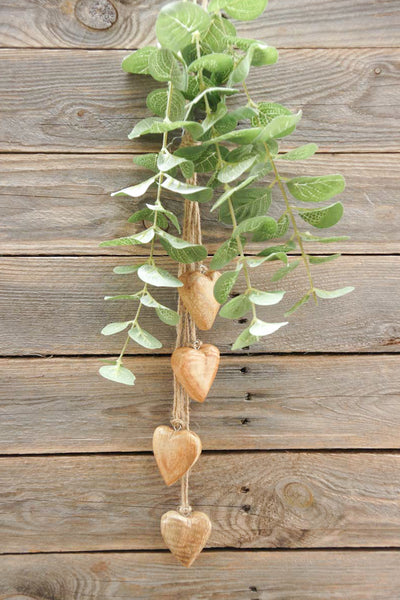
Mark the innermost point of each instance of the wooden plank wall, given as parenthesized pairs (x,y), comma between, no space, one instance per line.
(301,465)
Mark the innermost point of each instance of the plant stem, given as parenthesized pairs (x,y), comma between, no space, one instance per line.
(150,259)
(289,211)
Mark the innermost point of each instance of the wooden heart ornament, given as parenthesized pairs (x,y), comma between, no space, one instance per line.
(185,536)
(195,369)
(175,451)
(197,295)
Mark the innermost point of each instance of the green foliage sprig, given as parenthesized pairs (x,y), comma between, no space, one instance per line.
(201,61)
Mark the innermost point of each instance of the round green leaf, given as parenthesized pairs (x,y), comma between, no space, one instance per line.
(316,189)
(112,328)
(224,285)
(176,23)
(157,102)
(163,66)
(243,10)
(260,328)
(323,217)
(215,63)
(138,62)
(326,295)
(117,373)
(244,340)
(144,338)
(225,253)
(158,277)
(265,298)
(236,308)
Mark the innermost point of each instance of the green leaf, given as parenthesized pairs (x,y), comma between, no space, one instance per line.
(126,269)
(165,314)
(280,273)
(334,293)
(181,250)
(323,217)
(247,203)
(256,261)
(163,66)
(260,328)
(225,253)
(112,328)
(211,90)
(241,136)
(138,62)
(236,308)
(134,191)
(123,297)
(265,298)
(204,159)
(233,171)
(157,102)
(163,212)
(316,189)
(298,304)
(264,228)
(269,111)
(118,374)
(300,153)
(217,34)
(224,285)
(157,276)
(215,63)
(244,340)
(213,117)
(226,195)
(243,10)
(308,237)
(196,193)
(176,23)
(156,125)
(319,260)
(291,245)
(143,237)
(257,54)
(146,214)
(279,127)
(283,226)
(167,161)
(147,161)
(144,338)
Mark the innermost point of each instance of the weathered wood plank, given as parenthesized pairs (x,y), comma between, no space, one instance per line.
(255,500)
(92,113)
(56,306)
(71,194)
(274,402)
(302,575)
(130,24)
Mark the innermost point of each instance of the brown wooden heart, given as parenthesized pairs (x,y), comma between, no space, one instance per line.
(196,369)
(175,451)
(185,536)
(197,295)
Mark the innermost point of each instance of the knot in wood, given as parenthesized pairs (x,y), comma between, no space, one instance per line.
(298,495)
(96,14)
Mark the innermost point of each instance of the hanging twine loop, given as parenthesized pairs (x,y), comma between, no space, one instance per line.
(186,329)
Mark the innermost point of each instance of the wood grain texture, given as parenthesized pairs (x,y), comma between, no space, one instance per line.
(349,98)
(71,195)
(56,306)
(263,575)
(273,402)
(285,500)
(51,23)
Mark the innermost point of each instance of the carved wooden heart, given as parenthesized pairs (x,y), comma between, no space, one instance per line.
(196,369)
(185,536)
(175,451)
(197,295)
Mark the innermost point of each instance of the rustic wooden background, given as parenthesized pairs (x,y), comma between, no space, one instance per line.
(301,468)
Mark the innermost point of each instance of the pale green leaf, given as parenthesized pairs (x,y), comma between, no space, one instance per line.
(256,261)
(213,117)
(163,66)
(316,189)
(298,304)
(217,34)
(290,245)
(147,161)
(236,308)
(196,193)
(308,237)
(158,277)
(226,195)
(143,237)
(164,212)
(225,253)
(126,269)
(280,273)
(144,338)
(224,285)
(243,10)
(279,127)
(334,293)
(323,217)
(112,328)
(215,63)
(234,170)
(176,23)
(283,226)
(156,125)
(260,328)
(257,54)
(265,298)
(138,61)
(319,260)
(300,153)
(117,373)
(134,191)
(244,340)
(247,203)
(157,102)
(262,227)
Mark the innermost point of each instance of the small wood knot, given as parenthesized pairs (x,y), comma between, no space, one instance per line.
(245,421)
(378,70)
(246,508)
(245,489)
(96,14)
(244,370)
(298,495)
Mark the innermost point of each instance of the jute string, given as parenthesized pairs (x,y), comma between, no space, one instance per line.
(186,331)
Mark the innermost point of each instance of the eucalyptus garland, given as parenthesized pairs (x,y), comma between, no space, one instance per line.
(200,62)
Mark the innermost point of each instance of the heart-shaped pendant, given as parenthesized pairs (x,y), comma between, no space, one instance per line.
(175,451)
(185,536)
(195,369)
(197,295)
